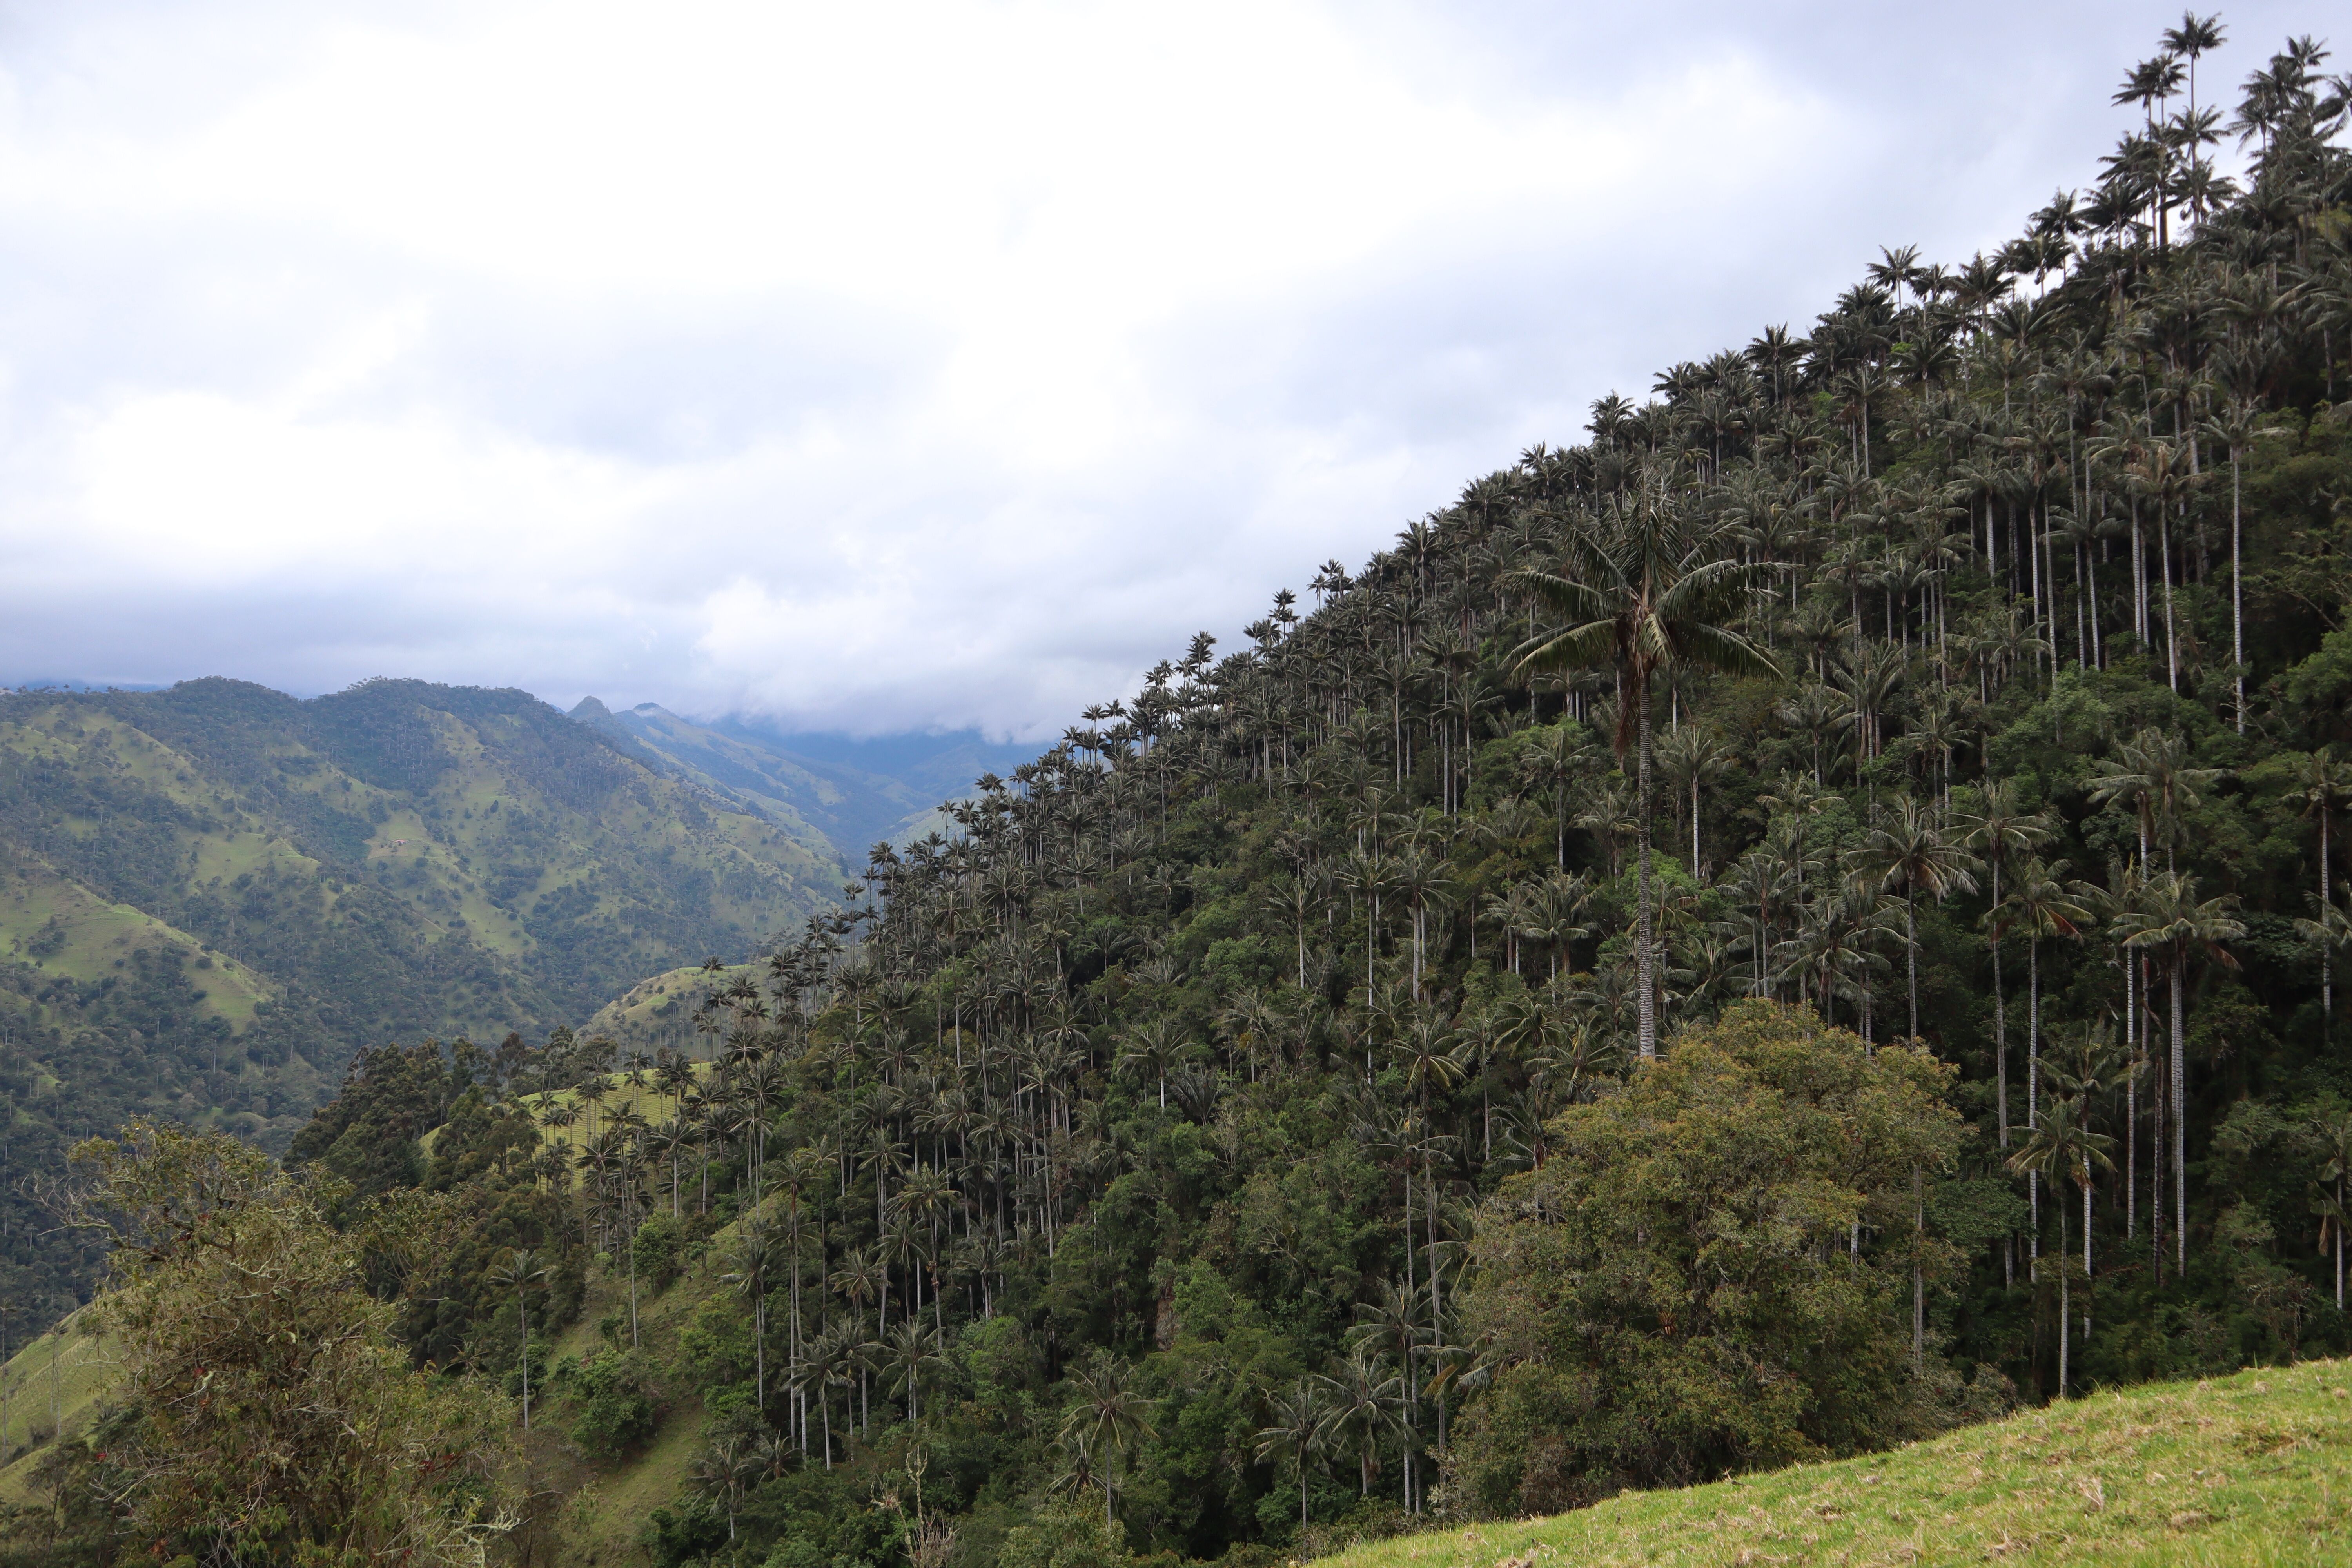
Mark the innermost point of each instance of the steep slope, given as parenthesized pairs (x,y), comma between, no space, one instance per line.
(210,896)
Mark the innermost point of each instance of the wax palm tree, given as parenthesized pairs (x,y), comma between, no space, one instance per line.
(2089,1075)
(1297,901)
(858,1281)
(2331,934)
(1692,757)
(592,1093)
(1834,951)
(1397,1319)
(1108,1419)
(2321,783)
(754,1270)
(2155,780)
(1294,1431)
(726,1470)
(557,1114)
(1159,1044)
(1554,759)
(913,1353)
(2169,921)
(1644,592)
(1998,832)
(1420,878)
(521,1272)
(2236,426)
(1913,850)
(2063,1149)
(1359,1410)
(2046,907)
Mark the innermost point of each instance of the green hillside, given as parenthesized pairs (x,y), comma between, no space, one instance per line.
(2250,1469)
(1803,923)
(659,1013)
(210,896)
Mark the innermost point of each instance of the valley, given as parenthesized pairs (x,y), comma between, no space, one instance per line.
(211,896)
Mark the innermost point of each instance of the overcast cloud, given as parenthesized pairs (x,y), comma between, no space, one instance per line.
(888,367)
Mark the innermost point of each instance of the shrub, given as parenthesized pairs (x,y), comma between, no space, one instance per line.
(656,1251)
(1675,1294)
(608,1402)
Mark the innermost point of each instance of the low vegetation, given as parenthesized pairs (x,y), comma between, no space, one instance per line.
(2250,1469)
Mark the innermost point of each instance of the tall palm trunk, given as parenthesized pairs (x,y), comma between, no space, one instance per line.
(2033,1086)
(2134,1045)
(1911,952)
(2326,969)
(2171,643)
(1647,1012)
(2086,1248)
(2000,1019)
(2180,1122)
(2339,1243)
(2238,598)
(523,1310)
(2065,1303)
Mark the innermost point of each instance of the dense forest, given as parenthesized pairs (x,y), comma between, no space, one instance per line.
(1810,917)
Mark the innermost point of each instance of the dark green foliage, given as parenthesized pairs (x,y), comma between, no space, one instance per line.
(1675,1293)
(656,1248)
(608,1402)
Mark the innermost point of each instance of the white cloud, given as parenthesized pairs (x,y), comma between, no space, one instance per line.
(885,367)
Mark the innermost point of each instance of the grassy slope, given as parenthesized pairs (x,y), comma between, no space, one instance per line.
(2254,1469)
(61,1372)
(611,1500)
(95,936)
(659,1010)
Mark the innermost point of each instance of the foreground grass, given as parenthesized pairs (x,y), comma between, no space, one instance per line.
(2250,1469)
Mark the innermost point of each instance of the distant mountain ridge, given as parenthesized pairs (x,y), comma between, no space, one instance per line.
(847,794)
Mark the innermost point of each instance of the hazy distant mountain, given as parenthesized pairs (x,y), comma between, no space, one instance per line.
(827,789)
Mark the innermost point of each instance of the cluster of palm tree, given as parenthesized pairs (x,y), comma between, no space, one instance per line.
(1398,851)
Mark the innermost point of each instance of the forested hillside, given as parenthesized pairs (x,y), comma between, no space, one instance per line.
(1802,919)
(211,896)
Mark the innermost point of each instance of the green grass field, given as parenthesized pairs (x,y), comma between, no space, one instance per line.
(94,937)
(50,1386)
(2250,1469)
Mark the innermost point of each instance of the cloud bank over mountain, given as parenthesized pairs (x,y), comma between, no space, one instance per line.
(885,368)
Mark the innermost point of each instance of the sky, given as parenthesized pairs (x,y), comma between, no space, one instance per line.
(881,369)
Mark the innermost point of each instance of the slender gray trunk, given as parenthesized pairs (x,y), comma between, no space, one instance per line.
(1647,1012)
